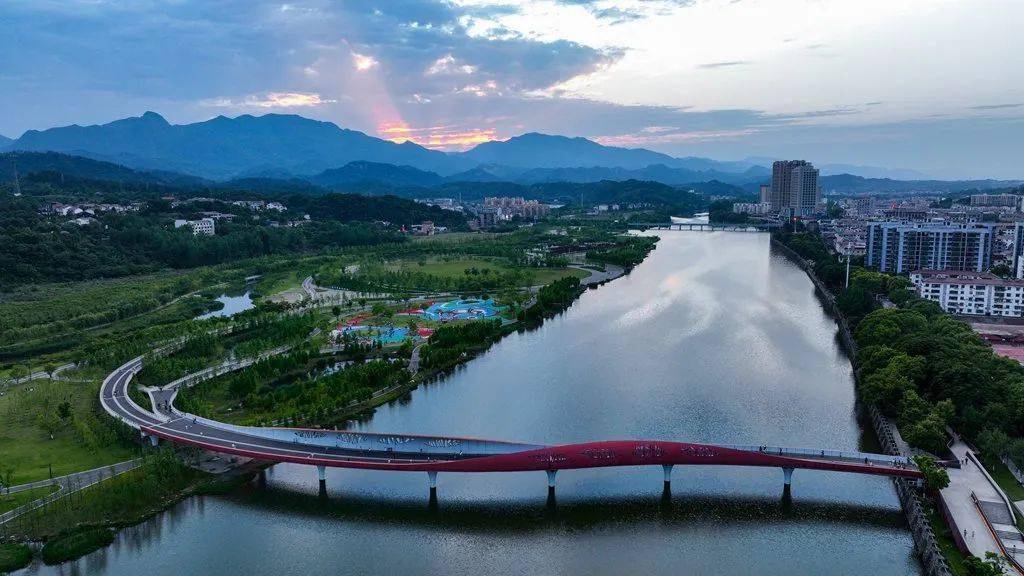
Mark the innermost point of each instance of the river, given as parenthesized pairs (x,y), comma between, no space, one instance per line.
(713,338)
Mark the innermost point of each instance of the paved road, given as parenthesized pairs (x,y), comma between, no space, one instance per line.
(439,453)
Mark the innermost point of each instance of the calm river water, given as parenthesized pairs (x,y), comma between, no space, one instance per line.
(713,338)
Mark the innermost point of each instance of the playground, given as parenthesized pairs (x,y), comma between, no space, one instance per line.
(470,309)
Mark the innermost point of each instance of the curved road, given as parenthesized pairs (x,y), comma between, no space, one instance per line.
(405,452)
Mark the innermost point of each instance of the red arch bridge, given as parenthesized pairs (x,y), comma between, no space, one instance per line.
(433,454)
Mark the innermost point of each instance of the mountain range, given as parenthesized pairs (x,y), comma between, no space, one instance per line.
(283,146)
(298,152)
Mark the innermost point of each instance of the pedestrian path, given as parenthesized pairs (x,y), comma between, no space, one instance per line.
(979,514)
(68,484)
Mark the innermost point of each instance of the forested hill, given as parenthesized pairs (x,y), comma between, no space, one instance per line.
(22,164)
(108,229)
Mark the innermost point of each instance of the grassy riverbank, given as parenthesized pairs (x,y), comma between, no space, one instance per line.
(87,520)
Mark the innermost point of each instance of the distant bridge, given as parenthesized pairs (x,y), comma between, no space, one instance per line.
(705,227)
(433,454)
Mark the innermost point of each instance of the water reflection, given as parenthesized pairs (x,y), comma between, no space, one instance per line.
(232,305)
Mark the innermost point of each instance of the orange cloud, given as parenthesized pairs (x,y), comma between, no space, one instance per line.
(445,137)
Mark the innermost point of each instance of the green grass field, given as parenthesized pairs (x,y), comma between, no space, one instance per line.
(457,268)
(29,451)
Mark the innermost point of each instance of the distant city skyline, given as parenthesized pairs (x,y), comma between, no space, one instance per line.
(908,84)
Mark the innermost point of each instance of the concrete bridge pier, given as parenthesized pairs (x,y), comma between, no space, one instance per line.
(787,474)
(551,486)
(666,470)
(432,476)
(154,441)
(321,474)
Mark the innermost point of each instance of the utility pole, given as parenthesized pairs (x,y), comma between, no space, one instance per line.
(848,250)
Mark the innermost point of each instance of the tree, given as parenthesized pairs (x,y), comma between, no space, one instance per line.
(855,302)
(18,372)
(935,478)
(993,443)
(992,565)
(64,410)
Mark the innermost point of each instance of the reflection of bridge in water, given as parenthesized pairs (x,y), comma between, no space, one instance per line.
(433,454)
(705,226)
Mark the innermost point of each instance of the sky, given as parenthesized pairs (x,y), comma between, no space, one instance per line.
(935,86)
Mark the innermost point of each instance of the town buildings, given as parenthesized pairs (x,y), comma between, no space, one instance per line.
(971,293)
(509,207)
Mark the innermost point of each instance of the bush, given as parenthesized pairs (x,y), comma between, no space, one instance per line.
(76,544)
(14,557)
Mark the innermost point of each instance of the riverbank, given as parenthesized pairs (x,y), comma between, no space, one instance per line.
(81,523)
(933,556)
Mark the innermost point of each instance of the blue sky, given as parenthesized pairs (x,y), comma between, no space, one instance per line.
(931,85)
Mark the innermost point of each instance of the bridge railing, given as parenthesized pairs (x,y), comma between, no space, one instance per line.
(845,455)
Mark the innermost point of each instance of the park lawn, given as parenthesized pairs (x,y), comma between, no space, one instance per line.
(28,449)
(457,268)
(9,502)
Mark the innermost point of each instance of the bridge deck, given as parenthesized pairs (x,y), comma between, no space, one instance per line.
(405,452)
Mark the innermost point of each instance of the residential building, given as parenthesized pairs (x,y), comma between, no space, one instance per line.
(752,208)
(1004,200)
(971,293)
(795,189)
(765,197)
(1018,250)
(900,247)
(204,226)
(487,217)
(509,207)
(906,214)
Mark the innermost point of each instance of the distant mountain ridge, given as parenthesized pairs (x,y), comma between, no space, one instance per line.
(224,147)
(283,145)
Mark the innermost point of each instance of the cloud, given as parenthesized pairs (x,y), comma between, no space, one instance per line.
(997,106)
(193,50)
(727,64)
(270,100)
(362,62)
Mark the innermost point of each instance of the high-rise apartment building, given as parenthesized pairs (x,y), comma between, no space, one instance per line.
(900,247)
(765,197)
(795,189)
(1018,250)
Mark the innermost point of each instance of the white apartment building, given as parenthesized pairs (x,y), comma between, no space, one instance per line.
(971,293)
(752,208)
(205,226)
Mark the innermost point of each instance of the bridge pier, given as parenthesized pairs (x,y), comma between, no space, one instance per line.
(432,477)
(551,485)
(321,474)
(787,475)
(666,470)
